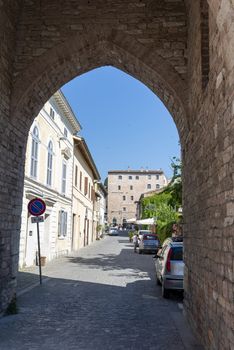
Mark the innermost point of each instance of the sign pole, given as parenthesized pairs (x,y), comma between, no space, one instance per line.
(36,208)
(39,251)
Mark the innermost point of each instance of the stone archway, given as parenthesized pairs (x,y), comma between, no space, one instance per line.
(159,43)
(48,73)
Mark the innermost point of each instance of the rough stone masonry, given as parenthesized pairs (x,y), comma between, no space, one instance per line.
(183,51)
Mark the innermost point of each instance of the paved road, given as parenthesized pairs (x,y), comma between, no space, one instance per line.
(104,297)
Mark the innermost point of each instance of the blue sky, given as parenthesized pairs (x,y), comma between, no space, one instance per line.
(123,122)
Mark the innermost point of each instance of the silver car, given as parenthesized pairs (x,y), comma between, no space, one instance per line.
(113,231)
(142,232)
(149,242)
(169,267)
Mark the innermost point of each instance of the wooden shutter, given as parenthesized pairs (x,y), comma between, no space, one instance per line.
(85,185)
(59,223)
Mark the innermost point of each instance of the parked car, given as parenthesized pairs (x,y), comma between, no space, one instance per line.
(113,231)
(169,267)
(142,232)
(149,242)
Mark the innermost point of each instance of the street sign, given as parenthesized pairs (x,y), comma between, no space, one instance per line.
(36,219)
(36,207)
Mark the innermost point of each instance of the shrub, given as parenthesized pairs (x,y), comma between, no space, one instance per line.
(12,307)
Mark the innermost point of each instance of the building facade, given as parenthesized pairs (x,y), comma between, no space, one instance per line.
(48,175)
(125,188)
(85,178)
(101,208)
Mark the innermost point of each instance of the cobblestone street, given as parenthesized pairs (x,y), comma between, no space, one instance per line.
(103,297)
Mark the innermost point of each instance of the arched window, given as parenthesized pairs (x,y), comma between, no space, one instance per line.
(49,164)
(34,152)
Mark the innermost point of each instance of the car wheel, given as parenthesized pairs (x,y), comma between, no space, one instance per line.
(165,292)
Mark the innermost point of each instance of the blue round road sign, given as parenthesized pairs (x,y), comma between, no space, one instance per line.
(36,207)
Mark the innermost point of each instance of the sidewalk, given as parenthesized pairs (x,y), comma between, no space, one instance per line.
(28,278)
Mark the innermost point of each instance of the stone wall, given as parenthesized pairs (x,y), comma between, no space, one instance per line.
(162,44)
(11,157)
(208,189)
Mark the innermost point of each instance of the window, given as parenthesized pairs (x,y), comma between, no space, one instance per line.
(130,177)
(137,177)
(92,194)
(62,223)
(124,208)
(149,177)
(124,198)
(80,181)
(52,113)
(119,188)
(157,177)
(132,198)
(120,177)
(34,152)
(157,186)
(64,177)
(85,185)
(65,132)
(131,187)
(149,186)
(49,164)
(89,191)
(76,175)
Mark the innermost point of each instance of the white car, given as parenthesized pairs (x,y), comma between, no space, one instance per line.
(143,232)
(113,231)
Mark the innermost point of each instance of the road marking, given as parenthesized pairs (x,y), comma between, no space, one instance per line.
(146,296)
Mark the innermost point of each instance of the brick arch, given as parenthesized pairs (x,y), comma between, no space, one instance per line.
(49,72)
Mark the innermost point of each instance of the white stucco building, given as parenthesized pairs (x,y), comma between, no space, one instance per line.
(85,178)
(48,175)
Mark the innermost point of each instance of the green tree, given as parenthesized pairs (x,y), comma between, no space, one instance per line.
(164,205)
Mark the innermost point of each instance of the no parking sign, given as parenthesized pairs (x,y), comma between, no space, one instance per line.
(37,207)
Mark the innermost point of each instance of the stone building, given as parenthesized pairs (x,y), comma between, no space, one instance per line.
(125,188)
(48,175)
(85,177)
(183,51)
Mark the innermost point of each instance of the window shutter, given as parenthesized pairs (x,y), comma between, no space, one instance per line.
(65,223)
(59,223)
(93,194)
(86,185)
(80,181)
(76,175)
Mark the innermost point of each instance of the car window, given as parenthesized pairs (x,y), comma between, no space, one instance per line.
(149,237)
(177,253)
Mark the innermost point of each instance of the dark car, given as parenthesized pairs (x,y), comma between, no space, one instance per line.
(149,242)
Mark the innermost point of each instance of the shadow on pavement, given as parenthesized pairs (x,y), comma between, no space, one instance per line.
(73,314)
